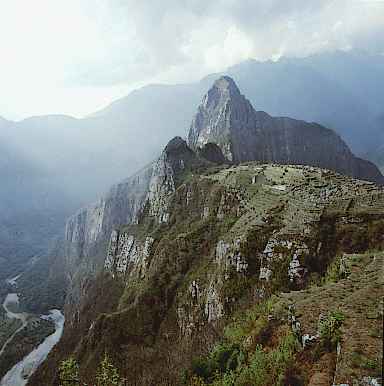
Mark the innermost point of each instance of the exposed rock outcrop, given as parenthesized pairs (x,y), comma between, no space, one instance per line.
(120,205)
(176,158)
(88,232)
(127,255)
(211,152)
(227,118)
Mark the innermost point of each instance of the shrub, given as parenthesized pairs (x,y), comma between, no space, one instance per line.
(360,360)
(280,359)
(223,358)
(329,329)
(69,372)
(226,357)
(196,381)
(337,270)
(227,365)
(269,367)
(201,368)
(252,324)
(242,360)
(107,374)
(227,379)
(256,373)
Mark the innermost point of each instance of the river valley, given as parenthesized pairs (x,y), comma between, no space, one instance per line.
(33,328)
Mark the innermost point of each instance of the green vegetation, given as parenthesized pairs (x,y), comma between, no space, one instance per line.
(246,357)
(361,237)
(159,320)
(227,364)
(106,375)
(250,323)
(329,329)
(224,358)
(7,327)
(337,270)
(237,284)
(360,360)
(69,372)
(280,279)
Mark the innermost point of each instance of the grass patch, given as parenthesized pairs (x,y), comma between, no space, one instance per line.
(359,360)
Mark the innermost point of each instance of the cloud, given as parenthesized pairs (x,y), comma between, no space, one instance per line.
(95,49)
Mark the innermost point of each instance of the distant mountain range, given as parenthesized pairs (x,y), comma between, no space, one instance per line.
(76,159)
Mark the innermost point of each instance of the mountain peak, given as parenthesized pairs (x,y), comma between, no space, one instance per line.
(178,155)
(222,90)
(175,144)
(226,83)
(225,117)
(220,105)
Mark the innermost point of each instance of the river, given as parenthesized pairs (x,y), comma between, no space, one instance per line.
(18,375)
(13,298)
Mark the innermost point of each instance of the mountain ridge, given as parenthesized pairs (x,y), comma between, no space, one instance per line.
(228,119)
(209,240)
(89,229)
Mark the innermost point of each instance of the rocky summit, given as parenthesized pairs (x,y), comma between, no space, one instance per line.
(248,255)
(227,118)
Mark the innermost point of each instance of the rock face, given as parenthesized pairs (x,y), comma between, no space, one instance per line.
(175,159)
(227,118)
(211,152)
(119,206)
(123,202)
(126,255)
(88,232)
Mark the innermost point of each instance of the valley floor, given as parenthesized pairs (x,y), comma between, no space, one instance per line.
(21,337)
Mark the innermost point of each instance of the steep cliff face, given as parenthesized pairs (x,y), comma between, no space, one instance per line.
(227,118)
(176,159)
(209,242)
(88,231)
(119,206)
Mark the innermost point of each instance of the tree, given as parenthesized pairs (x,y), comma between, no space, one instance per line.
(107,374)
(69,372)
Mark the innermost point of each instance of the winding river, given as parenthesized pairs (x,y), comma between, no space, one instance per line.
(13,298)
(18,375)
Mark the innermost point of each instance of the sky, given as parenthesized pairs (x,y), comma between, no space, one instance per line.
(76,56)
